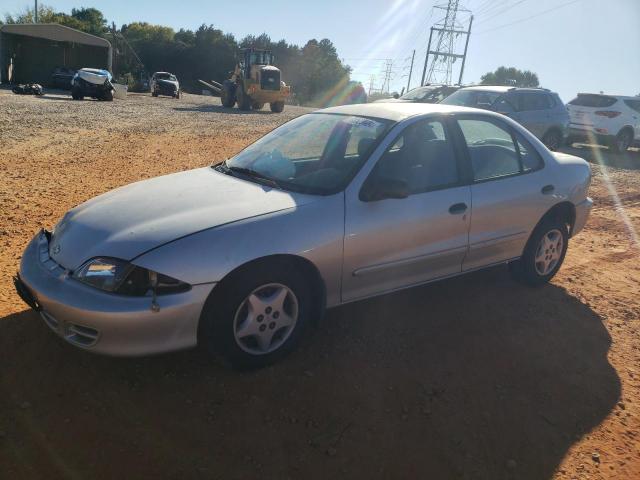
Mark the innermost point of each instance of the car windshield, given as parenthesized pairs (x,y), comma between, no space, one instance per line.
(166,76)
(419,94)
(472,98)
(316,153)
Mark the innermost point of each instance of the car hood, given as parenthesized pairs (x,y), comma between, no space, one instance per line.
(167,83)
(131,220)
(392,100)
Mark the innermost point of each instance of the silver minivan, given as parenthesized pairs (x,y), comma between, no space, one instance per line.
(537,109)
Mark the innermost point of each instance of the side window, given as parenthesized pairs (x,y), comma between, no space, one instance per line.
(491,149)
(503,105)
(534,101)
(531,159)
(422,156)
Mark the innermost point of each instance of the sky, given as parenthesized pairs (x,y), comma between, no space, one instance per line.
(573,45)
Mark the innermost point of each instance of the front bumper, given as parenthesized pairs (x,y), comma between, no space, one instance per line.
(104,322)
(582,214)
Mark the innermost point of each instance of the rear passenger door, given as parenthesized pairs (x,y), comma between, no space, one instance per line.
(534,112)
(509,191)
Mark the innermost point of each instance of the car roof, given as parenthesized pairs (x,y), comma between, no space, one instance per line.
(620,97)
(397,111)
(503,88)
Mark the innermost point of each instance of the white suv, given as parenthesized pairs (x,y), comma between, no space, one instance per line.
(612,120)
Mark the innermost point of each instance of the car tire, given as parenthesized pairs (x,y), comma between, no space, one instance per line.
(543,254)
(257,106)
(552,140)
(107,96)
(228,94)
(244,101)
(76,94)
(257,316)
(621,142)
(177,95)
(277,107)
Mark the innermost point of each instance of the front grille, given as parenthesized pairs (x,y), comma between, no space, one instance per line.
(270,80)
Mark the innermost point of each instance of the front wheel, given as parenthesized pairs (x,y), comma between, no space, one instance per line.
(277,107)
(257,316)
(543,255)
(244,101)
(76,94)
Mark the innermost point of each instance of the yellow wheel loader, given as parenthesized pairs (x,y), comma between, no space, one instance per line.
(254,82)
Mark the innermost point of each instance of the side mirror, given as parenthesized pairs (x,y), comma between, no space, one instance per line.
(382,188)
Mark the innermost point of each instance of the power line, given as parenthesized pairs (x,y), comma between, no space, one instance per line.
(528,18)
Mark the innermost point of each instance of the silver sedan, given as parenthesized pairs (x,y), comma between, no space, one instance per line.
(332,207)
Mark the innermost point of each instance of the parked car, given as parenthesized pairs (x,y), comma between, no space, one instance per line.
(92,82)
(165,83)
(539,110)
(61,78)
(425,94)
(332,207)
(612,120)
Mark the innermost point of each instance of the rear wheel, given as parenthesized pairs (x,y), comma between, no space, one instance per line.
(257,316)
(552,140)
(107,96)
(277,107)
(257,106)
(622,141)
(544,253)
(154,94)
(177,95)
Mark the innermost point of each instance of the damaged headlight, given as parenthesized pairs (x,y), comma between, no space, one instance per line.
(119,276)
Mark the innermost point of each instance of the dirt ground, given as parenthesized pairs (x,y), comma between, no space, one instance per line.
(471,378)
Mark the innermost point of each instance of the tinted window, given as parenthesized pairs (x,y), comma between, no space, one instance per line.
(503,105)
(634,104)
(592,100)
(422,156)
(472,98)
(491,148)
(533,101)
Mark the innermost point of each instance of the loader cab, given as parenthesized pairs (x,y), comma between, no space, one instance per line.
(252,57)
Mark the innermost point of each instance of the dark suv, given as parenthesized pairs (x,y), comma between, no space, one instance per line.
(539,110)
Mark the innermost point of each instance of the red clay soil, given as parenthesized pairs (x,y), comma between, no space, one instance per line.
(475,377)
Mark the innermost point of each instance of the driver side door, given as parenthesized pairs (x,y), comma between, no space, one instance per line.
(392,243)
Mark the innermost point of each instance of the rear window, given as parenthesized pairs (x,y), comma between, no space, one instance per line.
(634,104)
(595,101)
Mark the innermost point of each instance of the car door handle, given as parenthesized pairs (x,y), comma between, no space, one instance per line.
(457,208)
(547,189)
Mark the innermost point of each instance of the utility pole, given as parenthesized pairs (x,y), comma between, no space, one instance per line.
(426,58)
(36,12)
(466,47)
(447,31)
(413,57)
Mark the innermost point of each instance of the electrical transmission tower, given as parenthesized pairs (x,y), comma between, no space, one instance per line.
(443,56)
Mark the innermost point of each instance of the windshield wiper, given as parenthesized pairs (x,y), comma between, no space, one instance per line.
(253,174)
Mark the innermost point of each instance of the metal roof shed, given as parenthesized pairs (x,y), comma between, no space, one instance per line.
(34,50)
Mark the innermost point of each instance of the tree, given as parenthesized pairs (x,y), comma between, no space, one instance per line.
(511,77)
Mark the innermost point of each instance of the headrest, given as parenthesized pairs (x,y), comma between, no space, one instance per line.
(364,145)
